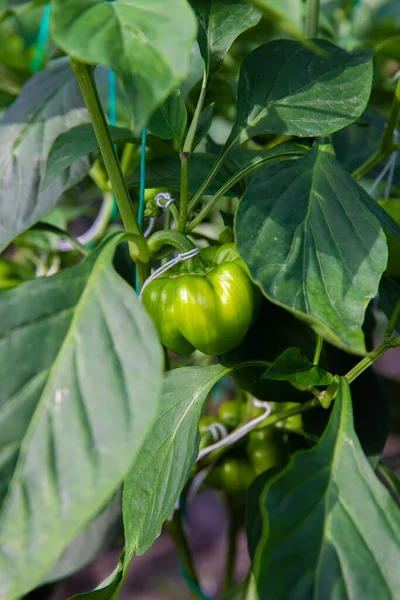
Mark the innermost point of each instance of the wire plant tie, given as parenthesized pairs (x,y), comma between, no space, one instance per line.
(180,258)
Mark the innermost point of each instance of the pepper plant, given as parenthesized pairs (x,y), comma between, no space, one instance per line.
(265,256)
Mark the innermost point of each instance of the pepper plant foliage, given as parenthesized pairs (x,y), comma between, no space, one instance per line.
(271,147)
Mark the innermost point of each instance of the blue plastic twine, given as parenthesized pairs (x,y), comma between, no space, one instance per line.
(112,119)
(42,41)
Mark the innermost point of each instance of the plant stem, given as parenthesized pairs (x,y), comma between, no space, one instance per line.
(175,528)
(184,193)
(127,154)
(312,18)
(188,145)
(368,361)
(85,77)
(254,164)
(393,320)
(386,146)
(318,349)
(186,152)
(369,164)
(214,170)
(232,547)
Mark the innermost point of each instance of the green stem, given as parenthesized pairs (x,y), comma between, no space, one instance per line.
(369,360)
(187,150)
(127,154)
(255,164)
(386,146)
(312,18)
(369,164)
(318,349)
(393,320)
(184,193)
(177,240)
(85,77)
(214,170)
(177,533)
(188,145)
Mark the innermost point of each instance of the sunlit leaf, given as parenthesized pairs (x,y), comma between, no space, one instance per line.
(330,528)
(143,42)
(75,412)
(312,245)
(300,93)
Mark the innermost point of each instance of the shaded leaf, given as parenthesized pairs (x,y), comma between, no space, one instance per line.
(165,171)
(204,124)
(312,245)
(285,13)
(220,23)
(274,330)
(162,468)
(75,143)
(49,104)
(300,93)
(148,46)
(294,366)
(75,412)
(389,295)
(331,497)
(169,120)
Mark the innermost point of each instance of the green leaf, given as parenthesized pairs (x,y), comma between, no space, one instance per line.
(220,23)
(75,412)
(287,14)
(389,295)
(165,171)
(294,366)
(204,124)
(169,120)
(108,589)
(300,93)
(331,530)
(392,481)
(75,143)
(148,45)
(312,245)
(89,542)
(170,450)
(49,104)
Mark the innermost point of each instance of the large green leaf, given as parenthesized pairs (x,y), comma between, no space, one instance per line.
(331,530)
(220,23)
(49,104)
(80,370)
(162,467)
(147,44)
(169,120)
(75,143)
(300,93)
(312,245)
